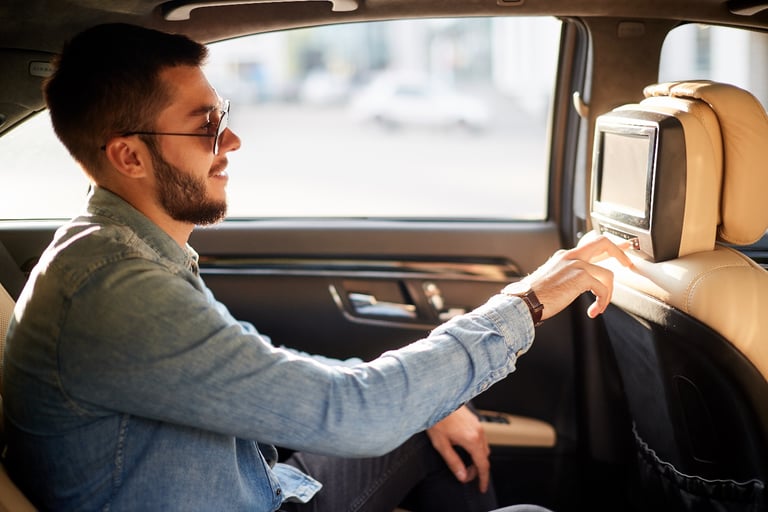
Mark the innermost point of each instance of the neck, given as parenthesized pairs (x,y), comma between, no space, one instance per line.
(178,230)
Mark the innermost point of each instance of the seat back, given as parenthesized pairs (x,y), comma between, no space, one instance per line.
(11,498)
(6,310)
(690,333)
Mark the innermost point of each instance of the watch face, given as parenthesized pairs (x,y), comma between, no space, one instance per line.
(518,288)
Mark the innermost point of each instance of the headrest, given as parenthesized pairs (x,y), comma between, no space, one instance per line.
(656,176)
(744,128)
(681,169)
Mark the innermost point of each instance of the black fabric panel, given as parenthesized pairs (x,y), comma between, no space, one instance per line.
(666,488)
(698,408)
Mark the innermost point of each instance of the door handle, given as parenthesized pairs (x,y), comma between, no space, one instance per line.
(435,299)
(367,305)
(420,306)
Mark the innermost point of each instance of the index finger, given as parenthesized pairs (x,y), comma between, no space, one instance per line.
(600,248)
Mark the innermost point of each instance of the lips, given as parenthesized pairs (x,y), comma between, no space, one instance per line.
(219,171)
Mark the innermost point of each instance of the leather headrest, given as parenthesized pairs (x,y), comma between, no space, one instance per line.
(744,128)
(703,170)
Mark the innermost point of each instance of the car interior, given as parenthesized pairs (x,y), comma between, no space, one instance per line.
(647,124)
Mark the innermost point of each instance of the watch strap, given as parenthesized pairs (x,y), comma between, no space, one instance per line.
(528,296)
(534,305)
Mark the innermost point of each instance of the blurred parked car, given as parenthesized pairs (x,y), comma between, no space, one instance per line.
(321,87)
(396,100)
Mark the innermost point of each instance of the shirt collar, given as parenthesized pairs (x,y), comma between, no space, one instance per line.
(104,203)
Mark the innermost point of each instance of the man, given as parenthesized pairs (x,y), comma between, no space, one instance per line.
(127,386)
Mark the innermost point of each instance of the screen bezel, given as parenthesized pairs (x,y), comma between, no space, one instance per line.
(611,210)
(658,233)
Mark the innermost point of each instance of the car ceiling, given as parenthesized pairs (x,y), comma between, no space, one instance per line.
(44,25)
(33,30)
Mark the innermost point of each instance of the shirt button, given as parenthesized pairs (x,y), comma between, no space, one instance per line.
(279,492)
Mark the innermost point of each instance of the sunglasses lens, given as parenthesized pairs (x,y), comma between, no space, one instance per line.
(222,126)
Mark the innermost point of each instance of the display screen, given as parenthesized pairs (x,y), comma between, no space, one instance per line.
(639,180)
(624,172)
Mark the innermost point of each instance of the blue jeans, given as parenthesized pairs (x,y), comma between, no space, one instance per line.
(413,476)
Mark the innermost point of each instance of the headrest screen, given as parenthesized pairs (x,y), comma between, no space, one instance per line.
(639,180)
(626,191)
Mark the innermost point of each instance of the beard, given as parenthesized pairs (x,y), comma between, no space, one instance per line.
(183,196)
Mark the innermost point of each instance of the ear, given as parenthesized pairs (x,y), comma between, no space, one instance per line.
(128,156)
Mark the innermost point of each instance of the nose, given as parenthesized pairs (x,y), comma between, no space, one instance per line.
(229,141)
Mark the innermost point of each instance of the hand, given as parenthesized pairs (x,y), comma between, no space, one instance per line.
(568,274)
(462,428)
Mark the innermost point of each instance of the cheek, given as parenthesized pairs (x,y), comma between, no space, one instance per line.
(192,159)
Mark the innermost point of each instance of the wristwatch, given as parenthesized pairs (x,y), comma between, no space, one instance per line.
(524,291)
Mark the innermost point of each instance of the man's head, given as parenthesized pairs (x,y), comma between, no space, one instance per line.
(134,107)
(107,81)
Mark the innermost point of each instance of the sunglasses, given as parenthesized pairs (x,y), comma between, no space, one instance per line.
(216,129)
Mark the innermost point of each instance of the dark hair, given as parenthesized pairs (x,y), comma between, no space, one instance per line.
(107,82)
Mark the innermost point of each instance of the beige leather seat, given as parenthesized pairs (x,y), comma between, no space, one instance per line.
(11,499)
(690,334)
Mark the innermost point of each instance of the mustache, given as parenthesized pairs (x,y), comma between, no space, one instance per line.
(218,168)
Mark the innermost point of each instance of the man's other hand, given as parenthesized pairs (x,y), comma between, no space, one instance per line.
(463,428)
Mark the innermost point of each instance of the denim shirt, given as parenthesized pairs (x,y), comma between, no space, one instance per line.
(128,386)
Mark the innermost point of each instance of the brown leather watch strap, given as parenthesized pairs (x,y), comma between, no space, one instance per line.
(526,293)
(536,307)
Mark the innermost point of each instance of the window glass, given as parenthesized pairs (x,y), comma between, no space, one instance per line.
(722,54)
(47,183)
(408,119)
(443,119)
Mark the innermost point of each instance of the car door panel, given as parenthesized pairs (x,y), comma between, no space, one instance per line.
(293,280)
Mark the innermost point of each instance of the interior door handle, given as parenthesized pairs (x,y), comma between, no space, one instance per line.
(435,298)
(367,305)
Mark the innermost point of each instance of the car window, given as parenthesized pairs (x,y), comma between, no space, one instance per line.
(47,183)
(432,118)
(722,54)
(408,119)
